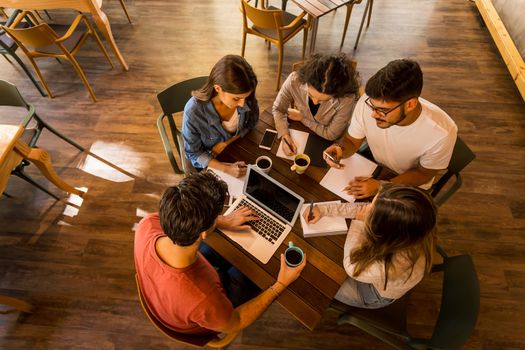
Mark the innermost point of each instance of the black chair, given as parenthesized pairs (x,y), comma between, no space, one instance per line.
(9,47)
(457,316)
(10,96)
(172,100)
(461,157)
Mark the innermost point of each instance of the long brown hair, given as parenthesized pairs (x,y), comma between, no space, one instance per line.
(402,221)
(235,76)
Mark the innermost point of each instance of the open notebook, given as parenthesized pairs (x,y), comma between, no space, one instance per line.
(327,226)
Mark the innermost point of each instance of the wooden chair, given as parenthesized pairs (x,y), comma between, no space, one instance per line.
(9,47)
(212,341)
(457,318)
(10,96)
(172,100)
(45,42)
(275,25)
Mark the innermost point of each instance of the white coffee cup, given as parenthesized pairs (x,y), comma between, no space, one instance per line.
(264,163)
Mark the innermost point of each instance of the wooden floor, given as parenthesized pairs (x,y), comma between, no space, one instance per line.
(76,264)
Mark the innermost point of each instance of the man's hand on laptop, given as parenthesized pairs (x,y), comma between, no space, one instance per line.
(289,274)
(236,220)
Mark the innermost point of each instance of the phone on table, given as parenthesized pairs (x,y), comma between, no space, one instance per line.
(268,139)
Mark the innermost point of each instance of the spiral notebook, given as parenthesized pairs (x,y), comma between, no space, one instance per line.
(327,226)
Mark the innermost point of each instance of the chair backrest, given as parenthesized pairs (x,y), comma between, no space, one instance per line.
(461,157)
(172,100)
(40,35)
(459,303)
(180,337)
(10,96)
(268,19)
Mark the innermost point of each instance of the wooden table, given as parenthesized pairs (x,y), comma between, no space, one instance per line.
(309,296)
(319,8)
(13,150)
(91,6)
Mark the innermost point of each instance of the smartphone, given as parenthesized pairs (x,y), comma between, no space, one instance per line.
(268,139)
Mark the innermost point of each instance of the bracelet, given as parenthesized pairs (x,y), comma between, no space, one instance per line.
(274,292)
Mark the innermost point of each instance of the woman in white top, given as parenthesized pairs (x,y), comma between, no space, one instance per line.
(389,245)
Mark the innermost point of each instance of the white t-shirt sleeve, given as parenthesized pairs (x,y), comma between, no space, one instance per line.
(356,129)
(438,156)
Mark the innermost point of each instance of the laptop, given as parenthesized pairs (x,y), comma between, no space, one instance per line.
(277,207)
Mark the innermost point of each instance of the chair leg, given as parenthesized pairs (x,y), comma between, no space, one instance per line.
(370,13)
(37,70)
(280,65)
(29,179)
(28,73)
(63,137)
(125,10)
(5,56)
(283,4)
(243,43)
(349,8)
(101,46)
(80,72)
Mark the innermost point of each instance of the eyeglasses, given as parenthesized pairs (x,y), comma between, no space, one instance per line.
(383,111)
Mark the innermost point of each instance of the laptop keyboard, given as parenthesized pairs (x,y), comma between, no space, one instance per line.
(266,226)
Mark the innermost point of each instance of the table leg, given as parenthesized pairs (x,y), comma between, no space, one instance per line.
(101,20)
(42,160)
(313,34)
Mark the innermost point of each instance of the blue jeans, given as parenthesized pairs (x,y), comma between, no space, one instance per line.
(239,289)
(359,294)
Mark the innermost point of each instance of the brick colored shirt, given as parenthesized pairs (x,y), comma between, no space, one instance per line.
(189,300)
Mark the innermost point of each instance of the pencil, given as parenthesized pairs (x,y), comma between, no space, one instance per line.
(311,213)
(336,161)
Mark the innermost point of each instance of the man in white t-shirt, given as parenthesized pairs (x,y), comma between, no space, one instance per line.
(405,132)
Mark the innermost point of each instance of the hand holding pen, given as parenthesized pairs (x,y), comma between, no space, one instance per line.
(291,149)
(332,156)
(313,214)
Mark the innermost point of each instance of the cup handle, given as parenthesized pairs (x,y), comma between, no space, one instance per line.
(290,244)
(293,167)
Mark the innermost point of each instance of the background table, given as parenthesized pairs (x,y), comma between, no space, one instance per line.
(319,8)
(13,150)
(309,296)
(91,6)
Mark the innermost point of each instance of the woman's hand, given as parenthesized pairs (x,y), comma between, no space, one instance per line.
(294,114)
(316,215)
(237,169)
(289,147)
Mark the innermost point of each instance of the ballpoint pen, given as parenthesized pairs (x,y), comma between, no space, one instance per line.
(311,212)
(288,144)
(336,161)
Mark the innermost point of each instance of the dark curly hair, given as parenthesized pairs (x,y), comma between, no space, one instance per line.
(332,75)
(191,207)
(398,81)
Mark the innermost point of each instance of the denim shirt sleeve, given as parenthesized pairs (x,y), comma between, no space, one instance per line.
(202,129)
(194,123)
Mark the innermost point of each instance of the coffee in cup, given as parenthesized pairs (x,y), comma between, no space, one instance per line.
(300,163)
(293,255)
(264,163)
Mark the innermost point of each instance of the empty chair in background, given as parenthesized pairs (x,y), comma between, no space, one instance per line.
(42,40)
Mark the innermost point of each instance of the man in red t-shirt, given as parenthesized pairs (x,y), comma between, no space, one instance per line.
(182,289)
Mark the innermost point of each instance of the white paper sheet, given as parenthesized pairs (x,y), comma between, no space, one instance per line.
(337,179)
(326,226)
(299,138)
(235,184)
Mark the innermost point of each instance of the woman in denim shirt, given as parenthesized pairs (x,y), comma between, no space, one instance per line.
(220,112)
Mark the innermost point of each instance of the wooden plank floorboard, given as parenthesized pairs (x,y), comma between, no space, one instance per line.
(76,264)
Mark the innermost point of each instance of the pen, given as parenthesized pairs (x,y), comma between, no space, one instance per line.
(336,161)
(288,144)
(311,213)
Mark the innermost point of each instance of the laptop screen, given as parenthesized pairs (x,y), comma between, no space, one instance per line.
(273,196)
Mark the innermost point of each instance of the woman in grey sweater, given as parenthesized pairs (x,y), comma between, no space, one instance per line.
(323,91)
